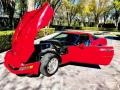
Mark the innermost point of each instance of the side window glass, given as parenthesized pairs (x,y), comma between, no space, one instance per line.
(85,39)
(61,37)
(95,37)
(72,39)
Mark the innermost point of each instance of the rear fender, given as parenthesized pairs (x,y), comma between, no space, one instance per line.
(51,51)
(99,42)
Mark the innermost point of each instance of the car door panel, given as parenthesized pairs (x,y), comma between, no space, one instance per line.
(73,54)
(106,53)
(86,54)
(101,55)
(90,55)
(77,54)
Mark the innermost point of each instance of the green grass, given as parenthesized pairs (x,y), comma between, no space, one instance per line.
(99,29)
(90,28)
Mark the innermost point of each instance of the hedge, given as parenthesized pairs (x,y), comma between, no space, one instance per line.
(44,32)
(106,25)
(62,27)
(6,37)
(90,28)
(98,29)
(5,40)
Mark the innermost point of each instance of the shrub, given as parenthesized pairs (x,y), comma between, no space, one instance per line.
(62,27)
(44,32)
(107,26)
(5,40)
(90,28)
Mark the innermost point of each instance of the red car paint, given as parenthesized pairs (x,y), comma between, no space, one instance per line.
(96,53)
(23,40)
(100,55)
(16,59)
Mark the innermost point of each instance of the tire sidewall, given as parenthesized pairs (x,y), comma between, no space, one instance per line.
(47,66)
(43,68)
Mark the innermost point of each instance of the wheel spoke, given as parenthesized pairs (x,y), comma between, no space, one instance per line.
(52,65)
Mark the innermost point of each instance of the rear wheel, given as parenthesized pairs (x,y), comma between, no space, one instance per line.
(49,64)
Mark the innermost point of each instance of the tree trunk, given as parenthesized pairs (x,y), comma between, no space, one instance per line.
(96,20)
(11,9)
(116,18)
(119,26)
(30,5)
(105,18)
(55,7)
(69,21)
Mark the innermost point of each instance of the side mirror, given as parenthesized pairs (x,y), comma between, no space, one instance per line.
(82,45)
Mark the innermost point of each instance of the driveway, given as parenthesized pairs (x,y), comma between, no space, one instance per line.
(70,77)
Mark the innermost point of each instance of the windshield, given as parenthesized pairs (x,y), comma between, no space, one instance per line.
(67,39)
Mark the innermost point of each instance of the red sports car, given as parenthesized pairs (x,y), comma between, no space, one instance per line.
(25,58)
(72,46)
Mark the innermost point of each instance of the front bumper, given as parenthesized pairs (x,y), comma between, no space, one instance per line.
(26,69)
(15,65)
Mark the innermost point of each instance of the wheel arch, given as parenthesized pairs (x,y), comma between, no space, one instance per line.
(53,52)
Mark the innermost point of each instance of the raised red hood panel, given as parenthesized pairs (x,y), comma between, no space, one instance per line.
(25,33)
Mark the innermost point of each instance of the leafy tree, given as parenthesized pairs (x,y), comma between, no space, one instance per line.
(22,6)
(98,8)
(32,4)
(9,9)
(54,3)
(71,9)
(116,4)
(116,15)
(84,12)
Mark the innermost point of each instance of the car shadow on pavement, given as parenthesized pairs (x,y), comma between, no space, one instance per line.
(113,37)
(82,64)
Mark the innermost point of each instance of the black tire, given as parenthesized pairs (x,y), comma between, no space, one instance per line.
(45,62)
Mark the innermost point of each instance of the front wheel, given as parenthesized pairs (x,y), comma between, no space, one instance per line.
(49,64)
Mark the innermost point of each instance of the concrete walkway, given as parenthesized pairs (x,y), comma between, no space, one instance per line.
(70,77)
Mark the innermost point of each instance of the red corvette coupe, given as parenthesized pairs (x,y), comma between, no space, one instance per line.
(25,58)
(72,46)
